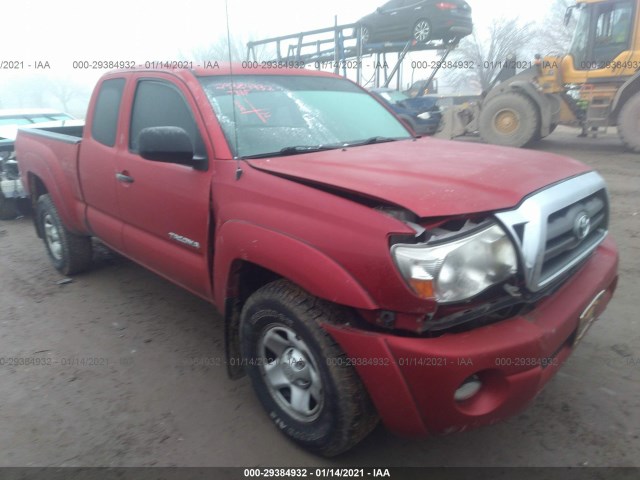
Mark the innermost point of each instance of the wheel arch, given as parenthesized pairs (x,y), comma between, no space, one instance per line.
(42,181)
(35,188)
(248,256)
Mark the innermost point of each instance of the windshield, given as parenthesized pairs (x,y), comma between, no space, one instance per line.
(603,32)
(580,41)
(271,113)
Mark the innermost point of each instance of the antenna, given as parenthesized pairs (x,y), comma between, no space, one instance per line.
(233,96)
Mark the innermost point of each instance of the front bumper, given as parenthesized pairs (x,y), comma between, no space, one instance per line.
(412,380)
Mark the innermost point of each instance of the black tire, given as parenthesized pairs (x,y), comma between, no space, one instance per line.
(70,253)
(281,334)
(8,207)
(629,123)
(510,119)
(422,30)
(538,136)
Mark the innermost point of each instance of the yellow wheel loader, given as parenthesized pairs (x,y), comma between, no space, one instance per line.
(595,85)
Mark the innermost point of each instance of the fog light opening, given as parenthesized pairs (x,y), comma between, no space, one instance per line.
(468,388)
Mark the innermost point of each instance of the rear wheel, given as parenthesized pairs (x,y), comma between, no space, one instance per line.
(538,135)
(70,253)
(510,119)
(422,30)
(629,123)
(299,373)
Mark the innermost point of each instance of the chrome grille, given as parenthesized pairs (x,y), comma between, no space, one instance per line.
(558,227)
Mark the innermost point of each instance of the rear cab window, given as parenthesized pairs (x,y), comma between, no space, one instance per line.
(105,116)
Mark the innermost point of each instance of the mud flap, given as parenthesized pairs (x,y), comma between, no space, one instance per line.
(232,339)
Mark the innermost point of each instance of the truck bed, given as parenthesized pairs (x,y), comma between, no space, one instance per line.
(67,133)
(37,150)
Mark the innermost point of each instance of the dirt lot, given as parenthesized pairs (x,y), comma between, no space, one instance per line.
(129,383)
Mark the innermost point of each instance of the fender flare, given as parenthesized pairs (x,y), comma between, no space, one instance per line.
(289,257)
(57,182)
(628,89)
(70,219)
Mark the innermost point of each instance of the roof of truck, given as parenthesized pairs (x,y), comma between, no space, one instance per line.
(204,69)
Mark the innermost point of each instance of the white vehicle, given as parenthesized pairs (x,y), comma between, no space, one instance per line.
(11,189)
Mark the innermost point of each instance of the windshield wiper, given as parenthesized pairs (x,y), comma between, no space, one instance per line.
(371,141)
(294,150)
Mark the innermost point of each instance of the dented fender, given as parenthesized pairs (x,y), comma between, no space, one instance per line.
(290,258)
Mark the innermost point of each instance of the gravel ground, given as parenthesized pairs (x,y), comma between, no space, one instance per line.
(132,375)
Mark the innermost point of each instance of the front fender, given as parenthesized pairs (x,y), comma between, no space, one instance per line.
(626,91)
(288,257)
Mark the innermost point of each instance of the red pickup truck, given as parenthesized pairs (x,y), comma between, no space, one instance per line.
(362,273)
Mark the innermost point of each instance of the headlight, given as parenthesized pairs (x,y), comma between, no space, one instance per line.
(457,270)
(425,116)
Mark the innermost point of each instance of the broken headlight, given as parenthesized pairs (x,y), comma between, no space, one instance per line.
(457,269)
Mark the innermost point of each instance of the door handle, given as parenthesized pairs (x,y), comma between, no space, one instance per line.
(124,178)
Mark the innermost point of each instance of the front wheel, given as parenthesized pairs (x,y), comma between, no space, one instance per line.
(300,375)
(70,253)
(510,119)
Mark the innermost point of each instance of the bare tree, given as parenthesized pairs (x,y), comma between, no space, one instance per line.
(65,91)
(27,91)
(485,52)
(552,35)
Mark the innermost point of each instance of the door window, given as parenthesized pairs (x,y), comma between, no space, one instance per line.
(160,104)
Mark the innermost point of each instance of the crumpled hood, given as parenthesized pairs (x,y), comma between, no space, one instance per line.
(428,176)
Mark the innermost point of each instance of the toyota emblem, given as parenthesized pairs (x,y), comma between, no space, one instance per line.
(581,225)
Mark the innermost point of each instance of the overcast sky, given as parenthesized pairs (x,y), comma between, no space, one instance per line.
(62,31)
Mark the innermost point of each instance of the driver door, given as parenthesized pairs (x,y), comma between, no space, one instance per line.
(165,206)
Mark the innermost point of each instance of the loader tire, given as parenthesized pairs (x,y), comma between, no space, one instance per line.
(629,123)
(510,119)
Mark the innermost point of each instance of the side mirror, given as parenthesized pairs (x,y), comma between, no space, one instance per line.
(567,15)
(169,145)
